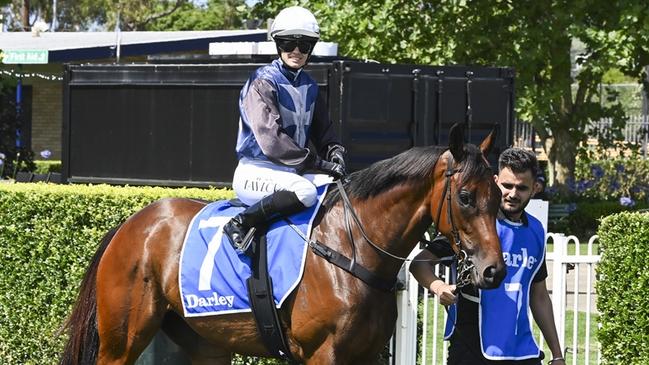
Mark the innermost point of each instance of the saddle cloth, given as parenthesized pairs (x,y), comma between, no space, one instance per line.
(212,278)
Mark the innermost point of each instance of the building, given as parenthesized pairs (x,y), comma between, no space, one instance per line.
(37,59)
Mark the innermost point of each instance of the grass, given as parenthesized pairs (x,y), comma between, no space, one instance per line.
(583,248)
(580,348)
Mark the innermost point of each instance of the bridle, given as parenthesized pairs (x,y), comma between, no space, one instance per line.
(461,265)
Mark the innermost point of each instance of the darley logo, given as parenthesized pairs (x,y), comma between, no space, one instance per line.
(519,259)
(214,300)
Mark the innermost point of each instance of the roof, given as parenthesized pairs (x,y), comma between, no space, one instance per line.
(76,46)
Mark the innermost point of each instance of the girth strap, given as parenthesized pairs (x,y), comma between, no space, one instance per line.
(260,293)
(340,260)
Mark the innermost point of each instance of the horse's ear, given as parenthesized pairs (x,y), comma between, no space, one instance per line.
(456,141)
(489,141)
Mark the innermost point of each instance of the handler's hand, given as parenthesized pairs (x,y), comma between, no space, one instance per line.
(445,292)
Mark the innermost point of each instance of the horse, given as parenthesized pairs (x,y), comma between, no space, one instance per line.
(130,290)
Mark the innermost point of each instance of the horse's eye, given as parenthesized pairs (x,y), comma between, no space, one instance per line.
(466,198)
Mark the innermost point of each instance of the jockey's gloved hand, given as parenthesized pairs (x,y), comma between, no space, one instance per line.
(331,168)
(336,154)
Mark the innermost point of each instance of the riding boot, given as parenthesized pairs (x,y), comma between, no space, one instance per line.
(241,228)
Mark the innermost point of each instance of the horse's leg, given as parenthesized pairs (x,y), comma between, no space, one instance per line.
(127,326)
(197,348)
(327,355)
(129,305)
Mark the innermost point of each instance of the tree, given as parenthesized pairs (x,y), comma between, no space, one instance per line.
(72,15)
(217,14)
(138,14)
(79,15)
(536,37)
(533,36)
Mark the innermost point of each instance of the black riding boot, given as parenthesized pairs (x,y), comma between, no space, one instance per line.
(241,228)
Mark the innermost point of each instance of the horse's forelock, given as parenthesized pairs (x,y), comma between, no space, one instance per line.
(474,164)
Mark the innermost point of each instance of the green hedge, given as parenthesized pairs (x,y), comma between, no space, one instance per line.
(48,234)
(45,166)
(622,288)
(584,221)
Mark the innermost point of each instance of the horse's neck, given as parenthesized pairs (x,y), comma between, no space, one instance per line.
(395,220)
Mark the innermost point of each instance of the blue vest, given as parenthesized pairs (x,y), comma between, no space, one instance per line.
(503,315)
(295,97)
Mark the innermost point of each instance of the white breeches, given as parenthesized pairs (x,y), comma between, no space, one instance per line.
(254,179)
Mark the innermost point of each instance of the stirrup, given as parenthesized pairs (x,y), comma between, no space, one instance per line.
(240,244)
(244,245)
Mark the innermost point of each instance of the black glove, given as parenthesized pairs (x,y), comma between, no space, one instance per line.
(331,168)
(336,154)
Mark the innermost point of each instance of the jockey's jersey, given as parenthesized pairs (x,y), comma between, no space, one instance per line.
(280,113)
(503,316)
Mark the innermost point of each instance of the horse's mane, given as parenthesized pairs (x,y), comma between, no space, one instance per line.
(415,164)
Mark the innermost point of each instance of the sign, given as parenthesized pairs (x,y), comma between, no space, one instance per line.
(539,209)
(25,56)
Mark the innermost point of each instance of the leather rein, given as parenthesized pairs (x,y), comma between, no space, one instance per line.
(458,261)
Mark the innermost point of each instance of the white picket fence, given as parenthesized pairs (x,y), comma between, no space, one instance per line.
(571,270)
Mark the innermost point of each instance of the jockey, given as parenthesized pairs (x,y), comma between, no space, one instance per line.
(281,111)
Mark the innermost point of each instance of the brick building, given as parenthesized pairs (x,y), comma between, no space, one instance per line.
(38,60)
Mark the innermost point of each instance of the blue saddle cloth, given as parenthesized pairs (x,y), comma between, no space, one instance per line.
(213,276)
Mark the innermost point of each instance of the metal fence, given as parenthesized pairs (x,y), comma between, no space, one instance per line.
(636,131)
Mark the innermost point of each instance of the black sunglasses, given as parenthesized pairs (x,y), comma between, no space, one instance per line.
(288,45)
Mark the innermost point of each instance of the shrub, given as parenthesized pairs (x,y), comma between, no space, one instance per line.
(612,179)
(45,166)
(48,234)
(622,286)
(585,219)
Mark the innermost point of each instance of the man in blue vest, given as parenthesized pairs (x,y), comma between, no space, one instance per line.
(493,326)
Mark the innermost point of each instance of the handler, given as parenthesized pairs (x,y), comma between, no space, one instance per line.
(493,326)
(281,111)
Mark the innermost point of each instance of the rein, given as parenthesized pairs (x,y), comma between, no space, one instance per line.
(458,261)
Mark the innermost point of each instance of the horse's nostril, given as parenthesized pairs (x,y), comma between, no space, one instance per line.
(489,272)
(492,277)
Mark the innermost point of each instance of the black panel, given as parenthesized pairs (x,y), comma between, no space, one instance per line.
(387,109)
(377,116)
(170,124)
(26,113)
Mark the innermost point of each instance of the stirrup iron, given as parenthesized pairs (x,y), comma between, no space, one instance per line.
(243,245)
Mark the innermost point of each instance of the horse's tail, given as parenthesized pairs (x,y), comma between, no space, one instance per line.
(83,343)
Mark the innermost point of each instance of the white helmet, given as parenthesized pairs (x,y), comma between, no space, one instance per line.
(295,21)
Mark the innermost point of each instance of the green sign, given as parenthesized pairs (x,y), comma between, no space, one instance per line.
(24,56)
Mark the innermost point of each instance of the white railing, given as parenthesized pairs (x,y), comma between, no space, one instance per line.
(579,267)
(636,130)
(570,281)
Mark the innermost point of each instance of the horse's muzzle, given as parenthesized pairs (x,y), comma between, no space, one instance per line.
(492,276)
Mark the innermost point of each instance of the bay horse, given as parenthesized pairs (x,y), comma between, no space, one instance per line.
(130,289)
